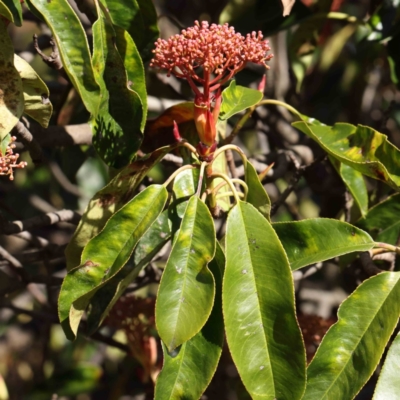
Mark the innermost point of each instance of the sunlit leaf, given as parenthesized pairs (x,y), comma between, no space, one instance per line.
(384,220)
(187,289)
(73,48)
(362,148)
(236,99)
(313,240)
(148,246)
(259,312)
(388,386)
(36,94)
(119,236)
(352,348)
(355,182)
(107,201)
(11,94)
(187,371)
(257,195)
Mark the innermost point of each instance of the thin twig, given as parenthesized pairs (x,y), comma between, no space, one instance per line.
(10,228)
(25,136)
(54,59)
(299,172)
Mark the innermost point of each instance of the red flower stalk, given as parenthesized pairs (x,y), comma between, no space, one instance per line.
(8,161)
(220,52)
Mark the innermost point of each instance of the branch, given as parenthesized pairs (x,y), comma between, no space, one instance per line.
(26,137)
(62,136)
(54,59)
(9,228)
(299,172)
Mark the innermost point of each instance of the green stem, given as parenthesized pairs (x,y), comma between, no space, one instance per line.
(226,194)
(173,176)
(186,144)
(388,247)
(282,104)
(229,182)
(202,168)
(230,147)
(243,184)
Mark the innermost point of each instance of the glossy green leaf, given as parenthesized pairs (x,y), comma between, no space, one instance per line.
(220,165)
(259,311)
(107,201)
(257,195)
(388,386)
(117,124)
(313,240)
(360,147)
(148,246)
(383,219)
(236,99)
(73,48)
(352,348)
(138,18)
(184,187)
(118,240)
(187,371)
(4,142)
(354,182)
(134,68)
(36,94)
(12,10)
(12,98)
(186,293)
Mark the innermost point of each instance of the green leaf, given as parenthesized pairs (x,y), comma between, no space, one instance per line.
(359,147)
(184,187)
(259,311)
(188,370)
(354,181)
(73,48)
(352,348)
(12,10)
(12,98)
(107,201)
(134,68)
(148,246)
(118,123)
(236,99)
(186,293)
(257,195)
(313,240)
(105,254)
(138,18)
(36,93)
(388,386)
(384,219)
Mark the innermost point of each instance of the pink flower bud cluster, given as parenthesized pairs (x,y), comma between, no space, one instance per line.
(8,161)
(216,48)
